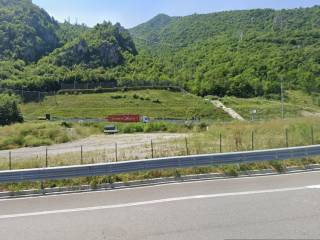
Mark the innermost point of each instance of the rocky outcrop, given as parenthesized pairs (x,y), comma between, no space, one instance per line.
(104,46)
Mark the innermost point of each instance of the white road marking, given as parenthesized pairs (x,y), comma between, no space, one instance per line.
(314,187)
(153,202)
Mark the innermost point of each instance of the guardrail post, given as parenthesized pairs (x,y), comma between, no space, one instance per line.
(81,155)
(46,157)
(152,156)
(287,138)
(312,136)
(220,137)
(116,151)
(187,148)
(10,163)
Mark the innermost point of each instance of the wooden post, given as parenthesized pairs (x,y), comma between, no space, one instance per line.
(46,157)
(252,140)
(187,148)
(312,135)
(152,155)
(220,136)
(287,138)
(116,152)
(81,155)
(10,162)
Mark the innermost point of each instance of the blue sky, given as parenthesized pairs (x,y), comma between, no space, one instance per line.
(133,12)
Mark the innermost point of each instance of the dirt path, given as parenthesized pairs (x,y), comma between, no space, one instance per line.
(94,143)
(232,113)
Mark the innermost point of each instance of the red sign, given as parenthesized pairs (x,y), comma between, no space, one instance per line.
(123,118)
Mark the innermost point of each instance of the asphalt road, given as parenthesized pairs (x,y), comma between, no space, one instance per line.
(273,207)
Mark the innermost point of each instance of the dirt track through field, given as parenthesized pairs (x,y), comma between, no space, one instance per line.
(94,143)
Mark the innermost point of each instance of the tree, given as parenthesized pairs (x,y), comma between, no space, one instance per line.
(9,110)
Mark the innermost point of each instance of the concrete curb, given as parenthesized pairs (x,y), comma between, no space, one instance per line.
(151,182)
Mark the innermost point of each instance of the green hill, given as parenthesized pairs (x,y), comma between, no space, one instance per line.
(235,53)
(240,53)
(26,31)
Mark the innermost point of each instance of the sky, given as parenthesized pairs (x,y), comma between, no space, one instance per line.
(133,12)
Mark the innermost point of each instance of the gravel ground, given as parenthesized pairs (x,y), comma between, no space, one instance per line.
(94,143)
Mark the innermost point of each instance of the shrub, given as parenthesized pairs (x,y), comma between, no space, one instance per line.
(9,110)
(135,96)
(66,124)
(157,101)
(155,127)
(278,166)
(118,96)
(231,170)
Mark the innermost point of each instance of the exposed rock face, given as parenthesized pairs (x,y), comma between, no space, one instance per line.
(110,54)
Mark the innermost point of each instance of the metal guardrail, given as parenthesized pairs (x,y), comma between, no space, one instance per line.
(154,164)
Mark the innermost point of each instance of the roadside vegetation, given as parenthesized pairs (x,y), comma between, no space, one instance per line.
(42,133)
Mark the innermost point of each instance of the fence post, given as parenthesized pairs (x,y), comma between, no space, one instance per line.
(287,138)
(187,148)
(220,137)
(81,155)
(312,135)
(116,151)
(10,163)
(39,97)
(46,157)
(152,155)
(252,140)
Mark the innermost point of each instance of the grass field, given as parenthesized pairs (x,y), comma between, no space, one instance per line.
(235,136)
(151,103)
(297,104)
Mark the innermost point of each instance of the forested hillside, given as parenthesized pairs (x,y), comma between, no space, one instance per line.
(26,31)
(240,53)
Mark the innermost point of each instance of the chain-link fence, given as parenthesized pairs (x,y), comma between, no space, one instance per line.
(87,85)
(26,95)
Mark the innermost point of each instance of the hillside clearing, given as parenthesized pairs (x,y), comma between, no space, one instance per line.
(152,103)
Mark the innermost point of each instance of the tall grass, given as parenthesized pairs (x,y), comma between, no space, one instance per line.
(41,133)
(236,136)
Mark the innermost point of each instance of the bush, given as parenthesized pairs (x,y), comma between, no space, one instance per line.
(132,128)
(231,170)
(9,110)
(155,127)
(66,124)
(278,166)
(157,101)
(118,96)
(135,96)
